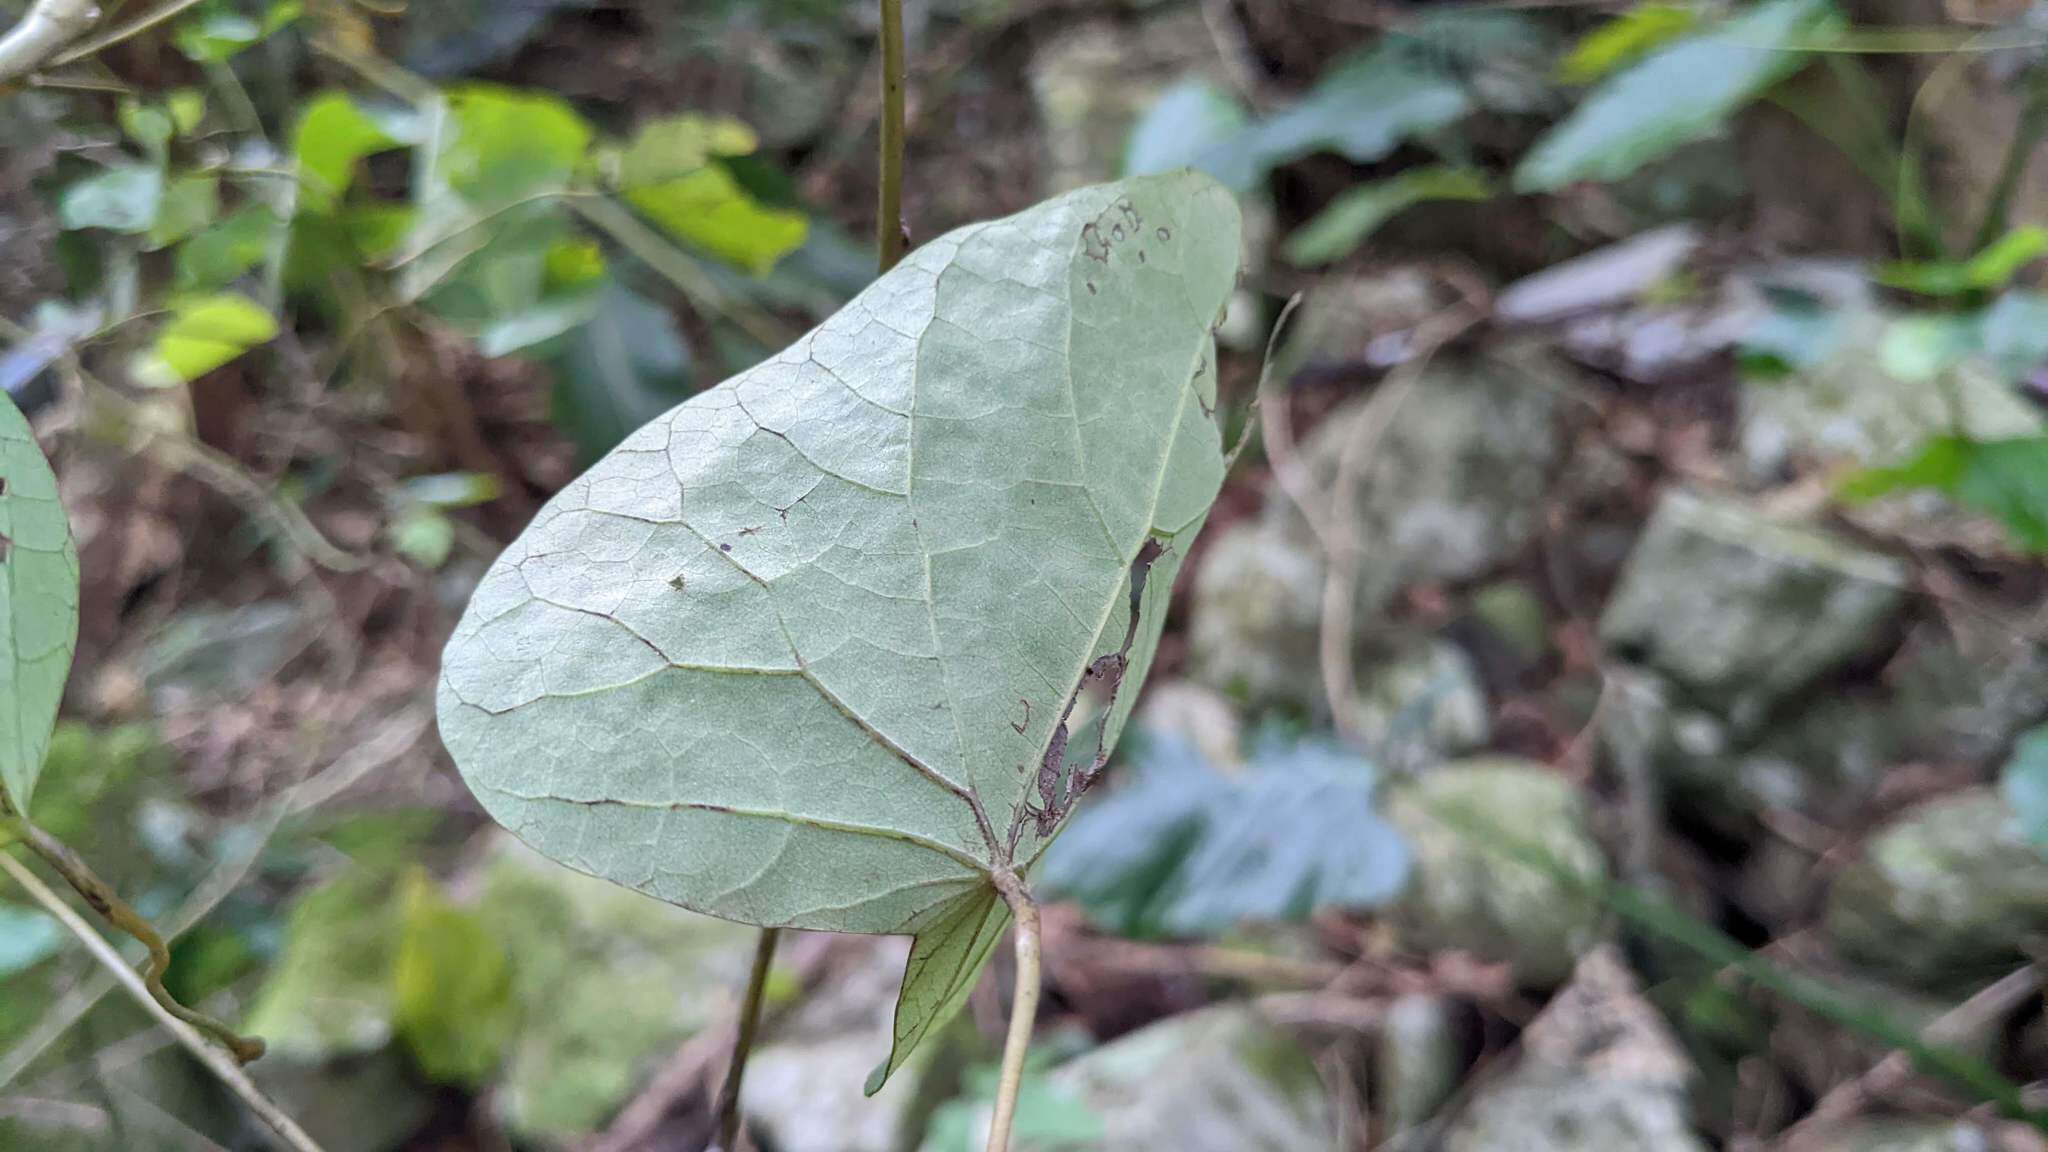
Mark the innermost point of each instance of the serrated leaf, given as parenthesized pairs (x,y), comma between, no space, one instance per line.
(1181,848)
(38,605)
(792,653)
(1681,93)
(1339,229)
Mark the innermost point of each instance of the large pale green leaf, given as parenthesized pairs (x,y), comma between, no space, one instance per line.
(38,605)
(1679,94)
(793,653)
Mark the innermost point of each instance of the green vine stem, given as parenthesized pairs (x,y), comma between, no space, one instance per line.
(2033,124)
(891,237)
(289,1134)
(1023,1008)
(103,900)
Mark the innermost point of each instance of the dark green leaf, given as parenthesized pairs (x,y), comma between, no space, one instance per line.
(626,366)
(214,258)
(1681,93)
(1339,229)
(2005,479)
(190,203)
(1181,848)
(1364,107)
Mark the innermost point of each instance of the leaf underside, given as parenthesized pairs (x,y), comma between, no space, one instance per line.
(38,605)
(793,652)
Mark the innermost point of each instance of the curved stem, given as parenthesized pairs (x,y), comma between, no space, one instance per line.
(890,234)
(41,33)
(289,1134)
(102,898)
(1023,1010)
(743,1040)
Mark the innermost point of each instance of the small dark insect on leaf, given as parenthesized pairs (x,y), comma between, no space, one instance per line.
(725,547)
(677,582)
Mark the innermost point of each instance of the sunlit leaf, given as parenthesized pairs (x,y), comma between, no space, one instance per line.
(1339,229)
(710,210)
(1182,848)
(793,653)
(1988,270)
(123,198)
(1680,93)
(452,998)
(38,605)
(674,147)
(1625,39)
(202,334)
(334,133)
(506,143)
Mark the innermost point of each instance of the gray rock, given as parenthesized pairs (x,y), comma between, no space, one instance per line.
(1899,1135)
(1967,688)
(1255,607)
(1417,1061)
(583,1047)
(1600,1072)
(1419,703)
(1094,80)
(1217,1080)
(803,1092)
(1945,896)
(1742,610)
(1453,484)
(1820,760)
(1867,402)
(1473,828)
(1198,714)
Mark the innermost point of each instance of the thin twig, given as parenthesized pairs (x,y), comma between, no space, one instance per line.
(743,1040)
(102,898)
(217,1061)
(41,33)
(1023,1008)
(136,26)
(398,737)
(1997,999)
(890,232)
(2026,137)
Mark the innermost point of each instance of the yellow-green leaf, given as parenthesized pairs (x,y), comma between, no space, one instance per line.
(203,334)
(710,210)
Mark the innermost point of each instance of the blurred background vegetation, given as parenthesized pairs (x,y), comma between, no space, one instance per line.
(1603,713)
